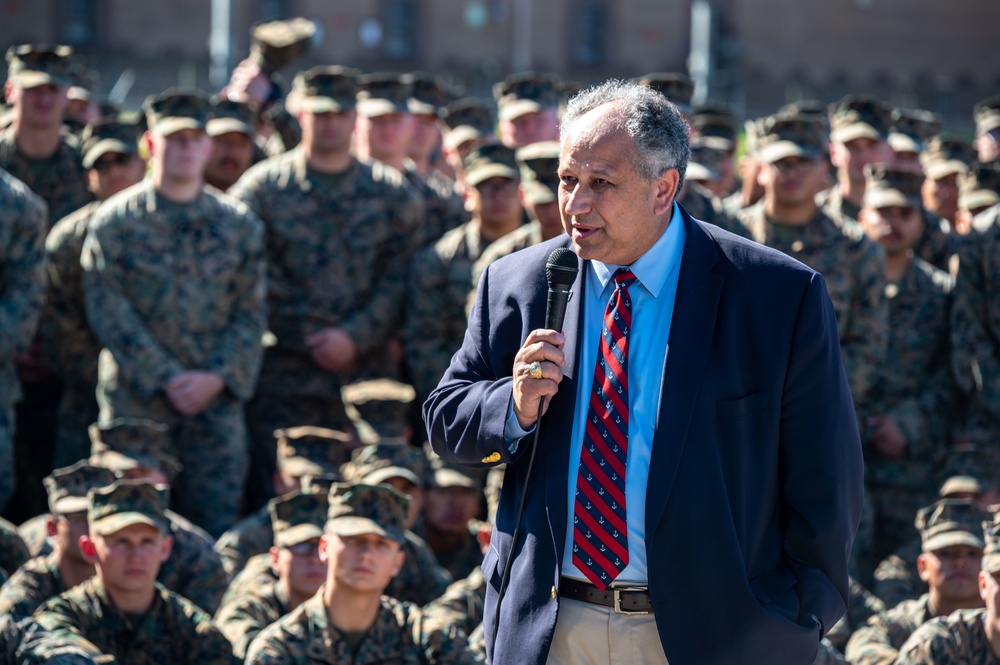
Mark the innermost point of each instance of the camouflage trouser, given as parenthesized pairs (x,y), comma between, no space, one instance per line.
(7,478)
(212,448)
(77,411)
(268,412)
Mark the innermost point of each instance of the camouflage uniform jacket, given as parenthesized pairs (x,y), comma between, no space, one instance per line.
(58,180)
(194,569)
(32,584)
(173,630)
(251,535)
(462,604)
(171,287)
(828,654)
(22,277)
(854,270)
(958,639)
(938,245)
(243,619)
(443,208)
(862,604)
(879,641)
(914,387)
(419,581)
(896,577)
(837,208)
(337,258)
(401,634)
(525,236)
(702,204)
(439,290)
(67,341)
(13,552)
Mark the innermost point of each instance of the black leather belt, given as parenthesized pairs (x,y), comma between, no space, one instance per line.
(622,599)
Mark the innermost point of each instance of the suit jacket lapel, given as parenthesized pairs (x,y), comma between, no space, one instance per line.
(698,293)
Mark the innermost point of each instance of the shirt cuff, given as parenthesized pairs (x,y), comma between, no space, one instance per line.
(512,430)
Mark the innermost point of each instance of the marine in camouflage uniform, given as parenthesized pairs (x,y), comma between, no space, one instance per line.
(171,629)
(453,491)
(176,292)
(399,632)
(297,523)
(441,273)
(949,524)
(22,234)
(463,603)
(301,452)
(910,402)
(852,266)
(24,642)
(68,344)
(338,249)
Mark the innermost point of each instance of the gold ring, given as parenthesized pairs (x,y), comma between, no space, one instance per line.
(535,369)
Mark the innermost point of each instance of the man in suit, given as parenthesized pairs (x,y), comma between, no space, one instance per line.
(742,456)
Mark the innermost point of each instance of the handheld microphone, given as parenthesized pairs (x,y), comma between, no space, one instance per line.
(560,271)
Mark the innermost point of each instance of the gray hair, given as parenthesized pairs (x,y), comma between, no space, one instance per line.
(661,134)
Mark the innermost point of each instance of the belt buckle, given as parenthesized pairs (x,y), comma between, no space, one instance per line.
(618,590)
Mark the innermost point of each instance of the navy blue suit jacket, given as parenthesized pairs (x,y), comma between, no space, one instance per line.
(755,481)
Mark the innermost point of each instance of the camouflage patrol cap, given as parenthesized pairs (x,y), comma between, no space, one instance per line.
(131,443)
(784,136)
(375,463)
(961,485)
(444,474)
(946,157)
(228,115)
(125,503)
(321,484)
(539,165)
(912,128)
(716,121)
(33,65)
(525,92)
(859,116)
(107,135)
(428,95)
(383,94)
(175,109)
(810,107)
(707,155)
(493,160)
(676,87)
(83,82)
(358,508)
(991,553)
(950,522)
(298,517)
(887,186)
(979,186)
(467,119)
(379,409)
(312,451)
(987,115)
(67,487)
(274,44)
(326,88)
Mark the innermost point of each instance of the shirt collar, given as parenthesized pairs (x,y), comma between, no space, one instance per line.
(652,268)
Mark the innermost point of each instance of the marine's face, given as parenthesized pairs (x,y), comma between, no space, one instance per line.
(610,211)
(328,132)
(232,155)
(530,128)
(494,201)
(387,137)
(68,529)
(896,228)
(129,560)
(952,571)
(183,154)
(855,154)
(39,106)
(300,567)
(793,180)
(363,563)
(940,195)
(449,509)
(426,135)
(113,172)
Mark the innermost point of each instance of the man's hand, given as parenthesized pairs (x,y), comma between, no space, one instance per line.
(333,350)
(249,83)
(886,437)
(545,348)
(192,391)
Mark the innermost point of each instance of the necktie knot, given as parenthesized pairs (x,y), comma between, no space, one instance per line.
(624,278)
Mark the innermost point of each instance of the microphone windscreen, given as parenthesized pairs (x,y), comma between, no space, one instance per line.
(561,268)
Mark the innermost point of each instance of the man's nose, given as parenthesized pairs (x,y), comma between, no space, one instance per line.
(577,201)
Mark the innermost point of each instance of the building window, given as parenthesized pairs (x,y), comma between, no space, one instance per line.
(590,43)
(401,29)
(78,22)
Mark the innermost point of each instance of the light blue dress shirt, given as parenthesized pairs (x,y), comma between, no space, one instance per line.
(653,297)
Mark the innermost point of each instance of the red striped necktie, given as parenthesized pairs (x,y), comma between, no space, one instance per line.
(600,535)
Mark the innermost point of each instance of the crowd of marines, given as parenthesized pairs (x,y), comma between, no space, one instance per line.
(221,314)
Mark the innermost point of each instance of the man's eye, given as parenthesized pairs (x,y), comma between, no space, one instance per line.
(567,180)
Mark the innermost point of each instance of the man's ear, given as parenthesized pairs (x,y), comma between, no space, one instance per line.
(88,550)
(50,525)
(400,558)
(324,543)
(273,557)
(166,547)
(922,567)
(667,191)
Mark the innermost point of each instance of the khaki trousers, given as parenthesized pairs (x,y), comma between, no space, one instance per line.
(588,634)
